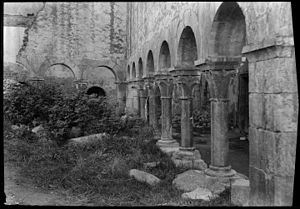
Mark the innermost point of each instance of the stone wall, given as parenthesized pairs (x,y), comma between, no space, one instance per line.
(72,32)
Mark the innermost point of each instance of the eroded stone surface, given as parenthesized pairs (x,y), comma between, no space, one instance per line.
(88,139)
(198,194)
(169,150)
(240,191)
(192,179)
(188,159)
(144,177)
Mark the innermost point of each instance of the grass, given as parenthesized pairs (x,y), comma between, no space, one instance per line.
(98,170)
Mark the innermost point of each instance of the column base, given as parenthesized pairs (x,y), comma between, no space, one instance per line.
(215,171)
(188,158)
(167,143)
(168,146)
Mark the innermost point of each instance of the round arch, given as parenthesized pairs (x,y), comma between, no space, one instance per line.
(164,56)
(228,33)
(187,48)
(62,64)
(48,63)
(133,70)
(150,64)
(109,68)
(98,91)
(128,72)
(140,68)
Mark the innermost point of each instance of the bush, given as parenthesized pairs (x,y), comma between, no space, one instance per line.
(201,118)
(27,104)
(60,112)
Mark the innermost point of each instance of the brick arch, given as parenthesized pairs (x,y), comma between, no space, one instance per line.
(228,32)
(48,63)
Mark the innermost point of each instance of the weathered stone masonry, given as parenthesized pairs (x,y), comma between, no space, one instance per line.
(227,44)
(79,40)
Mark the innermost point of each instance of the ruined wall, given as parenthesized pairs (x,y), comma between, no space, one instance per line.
(75,32)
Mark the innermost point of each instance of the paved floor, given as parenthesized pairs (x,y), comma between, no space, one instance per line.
(238,150)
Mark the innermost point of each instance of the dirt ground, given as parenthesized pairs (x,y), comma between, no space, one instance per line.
(20,191)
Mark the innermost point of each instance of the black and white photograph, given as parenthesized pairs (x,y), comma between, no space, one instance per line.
(149,103)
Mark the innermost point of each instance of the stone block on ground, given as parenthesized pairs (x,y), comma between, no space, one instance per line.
(198,194)
(88,139)
(143,176)
(38,129)
(192,179)
(151,164)
(15,127)
(240,190)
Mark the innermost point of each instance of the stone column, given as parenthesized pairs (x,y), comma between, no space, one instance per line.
(166,120)
(186,123)
(136,102)
(149,84)
(187,156)
(142,98)
(166,88)
(153,111)
(218,77)
(219,128)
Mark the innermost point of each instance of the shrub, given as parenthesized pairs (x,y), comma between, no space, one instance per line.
(27,104)
(201,118)
(59,112)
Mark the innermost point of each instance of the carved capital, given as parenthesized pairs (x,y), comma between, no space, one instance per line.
(165,85)
(187,84)
(218,82)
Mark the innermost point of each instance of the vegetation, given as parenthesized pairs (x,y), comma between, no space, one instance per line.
(97,170)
